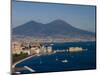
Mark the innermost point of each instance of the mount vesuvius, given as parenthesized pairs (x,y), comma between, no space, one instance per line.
(56,28)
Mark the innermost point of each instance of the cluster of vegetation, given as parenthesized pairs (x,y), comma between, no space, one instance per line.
(17,57)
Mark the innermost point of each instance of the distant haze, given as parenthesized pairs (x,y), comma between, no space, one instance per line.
(79,16)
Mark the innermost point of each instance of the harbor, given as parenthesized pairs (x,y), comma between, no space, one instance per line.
(60,55)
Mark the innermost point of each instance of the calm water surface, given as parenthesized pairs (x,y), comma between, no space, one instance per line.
(75,61)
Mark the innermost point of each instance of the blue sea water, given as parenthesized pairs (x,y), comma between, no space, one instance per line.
(76,61)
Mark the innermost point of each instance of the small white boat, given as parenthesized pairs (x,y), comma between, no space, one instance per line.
(56,59)
(64,61)
(17,72)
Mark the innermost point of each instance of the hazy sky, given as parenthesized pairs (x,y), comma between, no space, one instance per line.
(79,16)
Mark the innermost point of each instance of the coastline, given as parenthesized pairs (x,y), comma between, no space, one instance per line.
(13,66)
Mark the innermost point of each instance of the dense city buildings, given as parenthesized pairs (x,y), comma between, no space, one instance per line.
(30,48)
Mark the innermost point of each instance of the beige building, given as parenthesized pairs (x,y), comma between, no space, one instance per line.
(49,49)
(75,49)
(35,50)
(16,48)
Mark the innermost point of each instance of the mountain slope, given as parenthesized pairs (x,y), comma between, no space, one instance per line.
(53,29)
